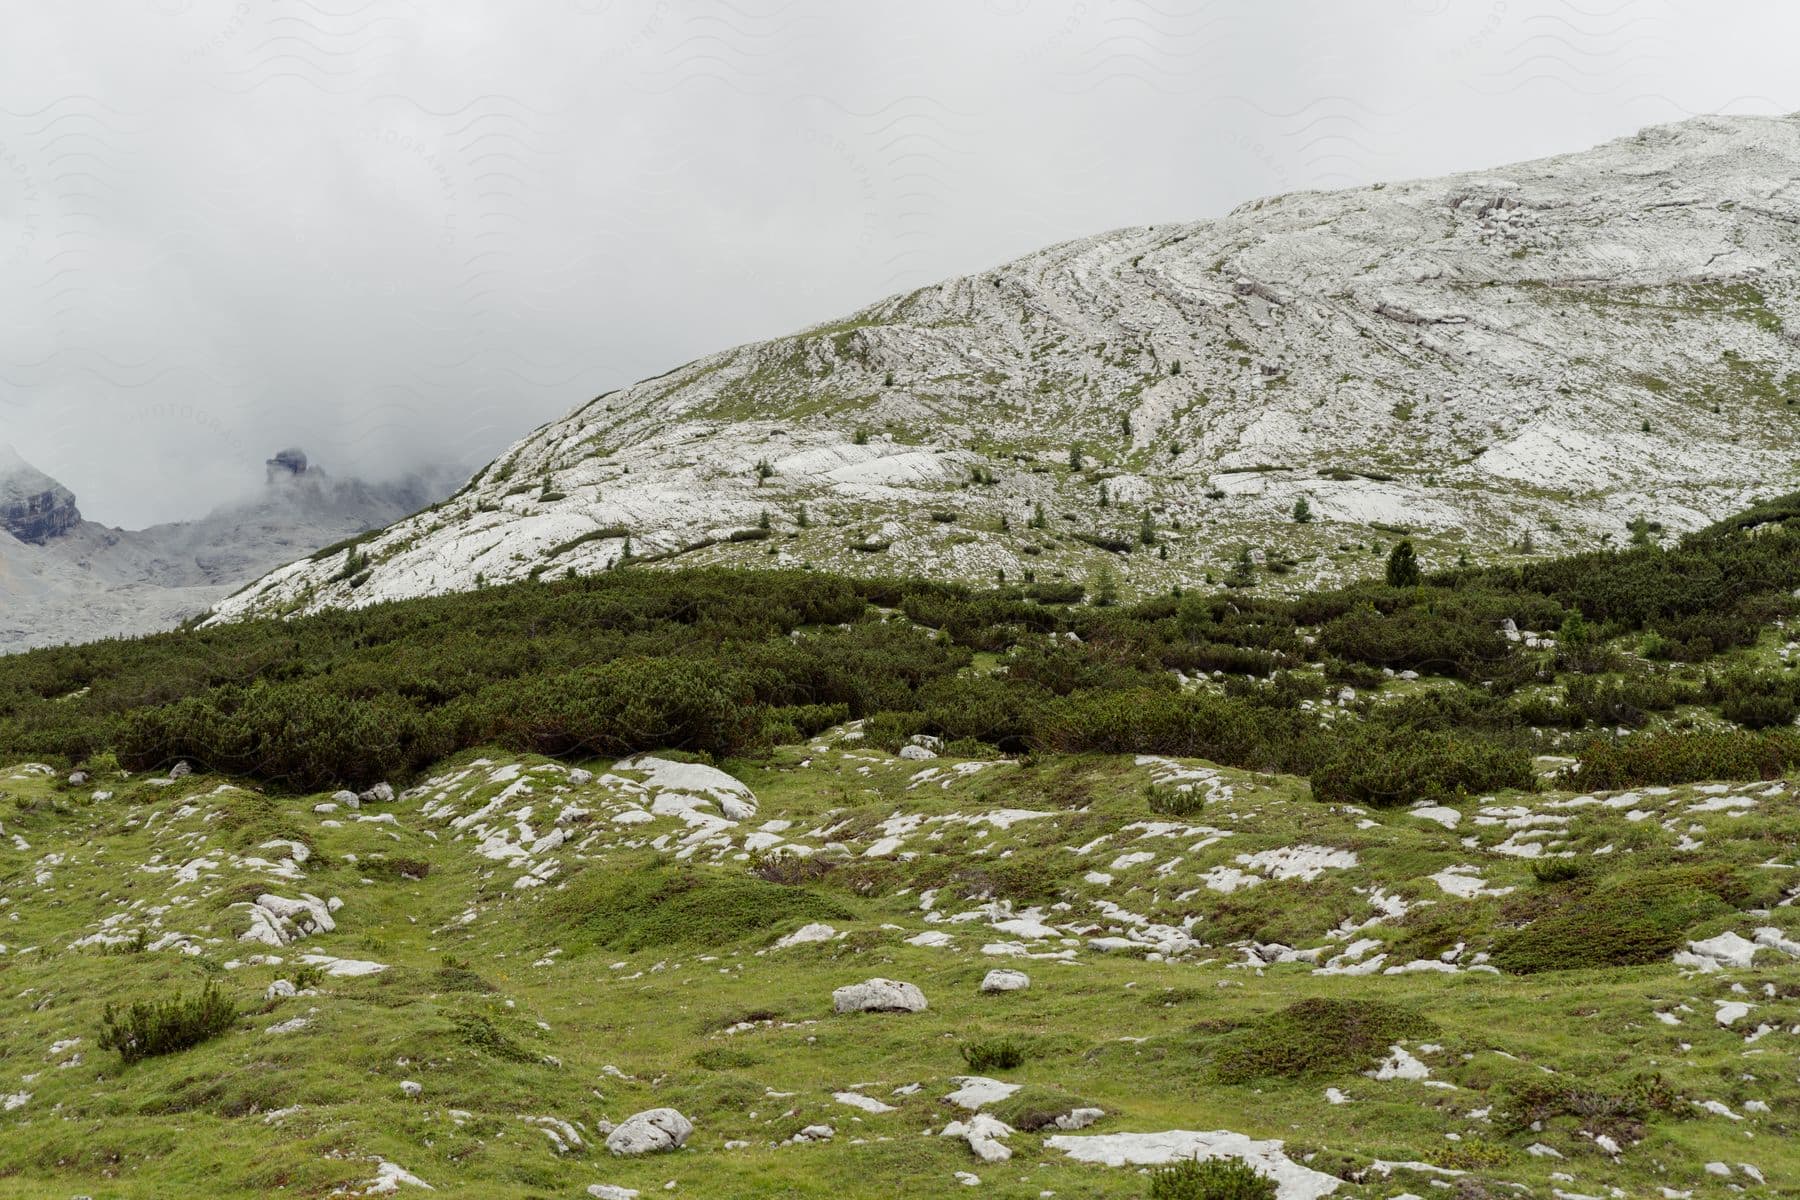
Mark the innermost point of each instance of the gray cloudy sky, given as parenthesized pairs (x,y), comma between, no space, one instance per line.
(394,231)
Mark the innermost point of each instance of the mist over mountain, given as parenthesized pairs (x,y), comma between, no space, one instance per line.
(64,578)
(1539,358)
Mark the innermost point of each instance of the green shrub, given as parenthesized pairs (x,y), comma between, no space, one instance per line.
(1174,801)
(460,979)
(479,1032)
(1667,758)
(1558,870)
(724,1058)
(995,1054)
(1533,1104)
(1402,566)
(152,1027)
(1316,1038)
(1213,1179)
(1389,768)
(1622,921)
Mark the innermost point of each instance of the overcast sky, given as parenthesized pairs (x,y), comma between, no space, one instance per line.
(398,231)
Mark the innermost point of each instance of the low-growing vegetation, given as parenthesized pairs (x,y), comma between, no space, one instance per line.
(1214,1179)
(1316,1038)
(148,1028)
(724,663)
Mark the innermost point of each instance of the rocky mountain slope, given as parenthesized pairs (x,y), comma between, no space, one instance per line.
(67,579)
(1505,362)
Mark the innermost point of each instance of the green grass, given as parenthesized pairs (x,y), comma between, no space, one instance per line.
(665,974)
(656,907)
(585,946)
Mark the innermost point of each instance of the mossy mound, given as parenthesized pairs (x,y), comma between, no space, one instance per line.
(1622,921)
(1317,1038)
(661,907)
(1033,1108)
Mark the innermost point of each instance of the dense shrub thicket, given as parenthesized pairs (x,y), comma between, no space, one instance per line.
(153,1027)
(725,662)
(1625,921)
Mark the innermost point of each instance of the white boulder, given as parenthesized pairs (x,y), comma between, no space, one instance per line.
(1002,980)
(650,1132)
(878,995)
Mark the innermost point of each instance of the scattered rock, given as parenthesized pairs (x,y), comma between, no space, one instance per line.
(650,1132)
(412,1088)
(381,793)
(276,920)
(1714,953)
(1002,980)
(868,1104)
(985,1136)
(817,931)
(606,1191)
(978,1091)
(878,995)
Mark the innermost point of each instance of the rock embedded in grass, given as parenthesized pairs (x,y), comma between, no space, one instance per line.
(985,1136)
(650,1132)
(815,931)
(878,995)
(1002,980)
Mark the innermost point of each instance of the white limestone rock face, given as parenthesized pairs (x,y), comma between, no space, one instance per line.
(1485,353)
(650,1132)
(878,995)
(277,920)
(679,785)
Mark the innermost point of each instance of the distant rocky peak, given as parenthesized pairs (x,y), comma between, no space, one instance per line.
(287,464)
(33,506)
